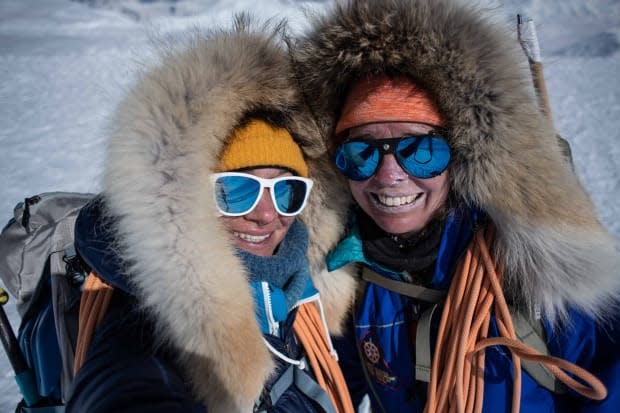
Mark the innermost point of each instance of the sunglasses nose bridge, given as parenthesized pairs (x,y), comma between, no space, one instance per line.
(389,170)
(264,211)
(385,147)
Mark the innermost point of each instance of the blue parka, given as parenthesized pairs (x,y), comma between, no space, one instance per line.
(382,321)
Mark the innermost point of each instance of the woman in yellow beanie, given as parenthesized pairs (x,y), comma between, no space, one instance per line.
(261,186)
(485,282)
(200,286)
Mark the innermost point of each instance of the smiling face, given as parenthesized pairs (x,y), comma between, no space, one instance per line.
(397,202)
(261,231)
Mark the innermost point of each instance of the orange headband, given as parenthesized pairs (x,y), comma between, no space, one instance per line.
(384,99)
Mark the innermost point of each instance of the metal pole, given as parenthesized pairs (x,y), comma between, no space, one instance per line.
(23,374)
(526,32)
(529,42)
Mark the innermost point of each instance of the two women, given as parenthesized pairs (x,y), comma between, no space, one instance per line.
(463,220)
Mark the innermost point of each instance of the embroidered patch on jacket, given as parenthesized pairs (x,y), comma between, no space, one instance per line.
(376,365)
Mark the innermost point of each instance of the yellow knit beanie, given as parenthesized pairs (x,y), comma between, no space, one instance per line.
(260,144)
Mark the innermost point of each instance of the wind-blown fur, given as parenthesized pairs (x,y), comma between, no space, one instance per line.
(506,160)
(165,140)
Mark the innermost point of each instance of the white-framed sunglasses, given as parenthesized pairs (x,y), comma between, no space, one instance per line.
(238,193)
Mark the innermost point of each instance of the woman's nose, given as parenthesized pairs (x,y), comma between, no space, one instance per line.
(264,212)
(390,171)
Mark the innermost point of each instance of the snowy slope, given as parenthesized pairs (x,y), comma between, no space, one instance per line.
(64,66)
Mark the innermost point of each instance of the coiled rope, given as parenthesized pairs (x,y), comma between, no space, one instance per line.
(308,327)
(94,303)
(457,374)
(312,334)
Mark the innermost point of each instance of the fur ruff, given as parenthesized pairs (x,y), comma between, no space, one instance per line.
(506,159)
(164,144)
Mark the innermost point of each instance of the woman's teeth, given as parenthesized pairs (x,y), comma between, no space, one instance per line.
(251,238)
(398,200)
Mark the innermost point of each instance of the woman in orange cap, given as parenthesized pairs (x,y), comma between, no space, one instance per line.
(477,253)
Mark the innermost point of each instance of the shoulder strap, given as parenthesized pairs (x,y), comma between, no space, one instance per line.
(410,290)
(293,375)
(423,351)
(312,390)
(530,333)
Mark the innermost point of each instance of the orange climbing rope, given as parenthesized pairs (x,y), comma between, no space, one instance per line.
(311,332)
(457,374)
(308,326)
(94,303)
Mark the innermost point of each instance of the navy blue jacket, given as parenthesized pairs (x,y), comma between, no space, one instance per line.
(128,368)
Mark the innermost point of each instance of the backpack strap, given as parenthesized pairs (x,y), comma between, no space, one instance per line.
(410,290)
(277,390)
(423,352)
(67,274)
(310,388)
(530,333)
(293,375)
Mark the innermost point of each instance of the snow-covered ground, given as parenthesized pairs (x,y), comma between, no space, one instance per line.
(64,65)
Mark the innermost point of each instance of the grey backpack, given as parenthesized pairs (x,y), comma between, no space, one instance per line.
(40,269)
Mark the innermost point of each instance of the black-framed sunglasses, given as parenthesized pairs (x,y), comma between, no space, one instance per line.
(421,156)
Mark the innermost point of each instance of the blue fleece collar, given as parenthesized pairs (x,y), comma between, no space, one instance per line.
(287,268)
(280,282)
(271,307)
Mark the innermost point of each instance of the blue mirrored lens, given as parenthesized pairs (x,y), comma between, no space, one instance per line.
(236,194)
(423,157)
(357,160)
(289,195)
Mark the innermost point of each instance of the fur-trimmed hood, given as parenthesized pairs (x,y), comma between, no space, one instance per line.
(506,159)
(165,140)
